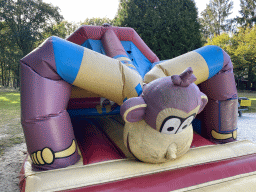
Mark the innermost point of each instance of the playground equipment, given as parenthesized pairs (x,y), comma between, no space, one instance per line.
(243,105)
(71,91)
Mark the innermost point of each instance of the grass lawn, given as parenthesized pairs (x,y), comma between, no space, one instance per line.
(10,127)
(252,97)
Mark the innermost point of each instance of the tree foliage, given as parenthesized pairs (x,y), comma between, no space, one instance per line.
(96,21)
(62,30)
(245,49)
(169,27)
(248,15)
(22,25)
(214,17)
(27,19)
(9,57)
(242,49)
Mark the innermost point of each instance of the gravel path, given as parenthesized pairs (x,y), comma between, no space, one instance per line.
(247,127)
(13,157)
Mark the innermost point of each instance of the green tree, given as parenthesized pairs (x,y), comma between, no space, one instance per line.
(96,21)
(26,20)
(169,27)
(230,45)
(9,57)
(246,49)
(224,41)
(62,30)
(242,49)
(248,15)
(214,17)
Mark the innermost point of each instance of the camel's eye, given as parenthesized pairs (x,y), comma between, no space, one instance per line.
(170,126)
(186,123)
(173,124)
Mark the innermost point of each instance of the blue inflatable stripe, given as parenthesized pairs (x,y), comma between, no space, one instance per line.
(138,89)
(68,58)
(87,112)
(213,56)
(94,45)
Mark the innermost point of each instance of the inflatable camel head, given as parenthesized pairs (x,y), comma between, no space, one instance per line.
(159,122)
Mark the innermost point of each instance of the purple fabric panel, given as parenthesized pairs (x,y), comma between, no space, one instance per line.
(221,86)
(41,97)
(55,133)
(42,60)
(112,44)
(44,118)
(210,118)
(136,114)
(228,66)
(220,116)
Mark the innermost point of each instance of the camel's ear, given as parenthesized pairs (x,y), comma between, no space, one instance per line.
(133,109)
(185,78)
(204,101)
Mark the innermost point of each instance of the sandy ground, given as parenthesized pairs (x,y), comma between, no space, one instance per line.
(10,167)
(13,157)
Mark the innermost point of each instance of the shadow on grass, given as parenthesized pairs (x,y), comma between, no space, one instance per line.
(11,132)
(7,99)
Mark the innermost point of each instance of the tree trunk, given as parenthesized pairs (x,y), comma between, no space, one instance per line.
(9,76)
(18,78)
(250,76)
(2,74)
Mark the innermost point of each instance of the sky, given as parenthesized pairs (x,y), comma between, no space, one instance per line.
(79,10)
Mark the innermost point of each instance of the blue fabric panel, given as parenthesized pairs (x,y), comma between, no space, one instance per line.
(142,64)
(213,56)
(68,58)
(197,126)
(138,89)
(94,45)
(87,44)
(86,112)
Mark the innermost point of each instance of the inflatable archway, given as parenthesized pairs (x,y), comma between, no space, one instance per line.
(70,92)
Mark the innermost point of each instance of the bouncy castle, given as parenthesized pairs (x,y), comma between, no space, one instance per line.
(101,112)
